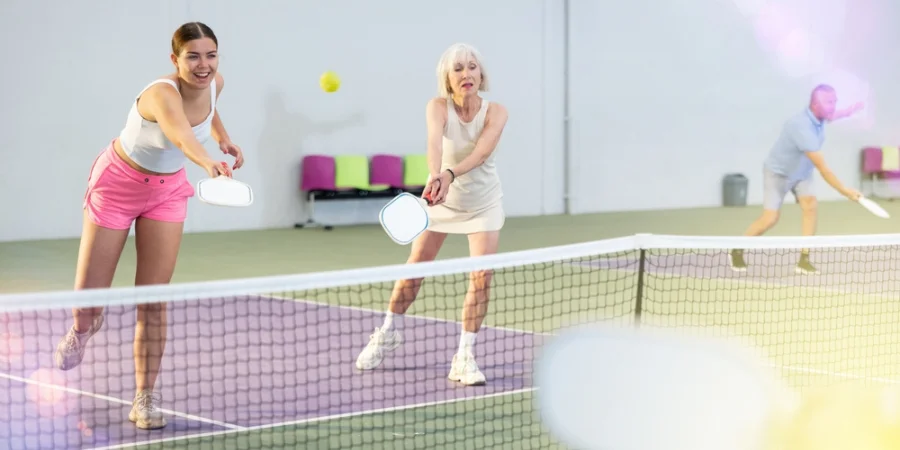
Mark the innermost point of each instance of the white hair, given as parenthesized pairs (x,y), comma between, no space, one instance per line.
(455,54)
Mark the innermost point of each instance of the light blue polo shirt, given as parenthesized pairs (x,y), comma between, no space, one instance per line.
(801,133)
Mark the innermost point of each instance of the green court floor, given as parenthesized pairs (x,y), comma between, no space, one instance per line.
(50,265)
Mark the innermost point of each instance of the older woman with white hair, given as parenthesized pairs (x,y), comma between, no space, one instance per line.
(465,197)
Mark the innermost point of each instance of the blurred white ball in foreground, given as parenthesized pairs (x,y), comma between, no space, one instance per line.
(624,389)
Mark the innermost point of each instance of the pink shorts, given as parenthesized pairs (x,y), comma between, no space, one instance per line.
(117,194)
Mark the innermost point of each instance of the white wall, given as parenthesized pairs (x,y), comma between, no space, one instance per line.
(69,74)
(72,86)
(666,97)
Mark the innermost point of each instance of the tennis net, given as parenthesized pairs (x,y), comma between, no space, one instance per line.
(271,362)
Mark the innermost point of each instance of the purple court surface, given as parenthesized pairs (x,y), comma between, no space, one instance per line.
(234,363)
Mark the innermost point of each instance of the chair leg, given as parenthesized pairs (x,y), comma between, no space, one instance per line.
(311,210)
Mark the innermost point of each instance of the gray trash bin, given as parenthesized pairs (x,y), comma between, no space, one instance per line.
(734,190)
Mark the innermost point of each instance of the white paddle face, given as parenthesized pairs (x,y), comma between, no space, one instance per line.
(874,208)
(224,191)
(404,218)
(607,388)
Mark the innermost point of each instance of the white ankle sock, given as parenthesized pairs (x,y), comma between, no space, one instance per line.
(466,342)
(392,321)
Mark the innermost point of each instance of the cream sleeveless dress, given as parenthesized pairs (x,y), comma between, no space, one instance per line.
(474,202)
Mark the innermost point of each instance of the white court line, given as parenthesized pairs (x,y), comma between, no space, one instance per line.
(377,311)
(115,400)
(319,419)
(434,403)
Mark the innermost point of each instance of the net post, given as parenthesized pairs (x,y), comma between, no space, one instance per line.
(639,293)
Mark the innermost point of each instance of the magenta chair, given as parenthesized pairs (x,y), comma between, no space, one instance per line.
(387,170)
(317,173)
(316,179)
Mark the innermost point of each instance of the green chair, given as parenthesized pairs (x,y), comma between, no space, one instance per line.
(352,172)
(415,170)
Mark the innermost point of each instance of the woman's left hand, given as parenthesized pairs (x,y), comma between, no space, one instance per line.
(229,148)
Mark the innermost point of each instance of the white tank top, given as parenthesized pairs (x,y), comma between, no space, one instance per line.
(145,143)
(479,188)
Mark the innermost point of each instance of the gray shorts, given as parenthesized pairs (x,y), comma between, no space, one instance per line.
(776,186)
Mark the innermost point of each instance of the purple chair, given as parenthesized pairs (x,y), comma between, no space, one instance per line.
(386,170)
(317,173)
(317,179)
(871,160)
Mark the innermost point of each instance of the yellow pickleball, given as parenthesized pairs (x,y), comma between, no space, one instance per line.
(329,81)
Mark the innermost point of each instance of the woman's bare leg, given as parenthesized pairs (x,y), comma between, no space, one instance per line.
(425,248)
(387,337)
(464,369)
(476,302)
(157,245)
(98,256)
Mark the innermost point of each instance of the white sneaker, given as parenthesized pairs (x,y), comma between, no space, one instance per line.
(70,350)
(379,342)
(144,412)
(464,370)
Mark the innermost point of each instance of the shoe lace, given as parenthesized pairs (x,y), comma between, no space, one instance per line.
(376,338)
(147,401)
(72,341)
(471,365)
(468,363)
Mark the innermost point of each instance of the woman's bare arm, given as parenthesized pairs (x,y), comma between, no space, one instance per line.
(163,103)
